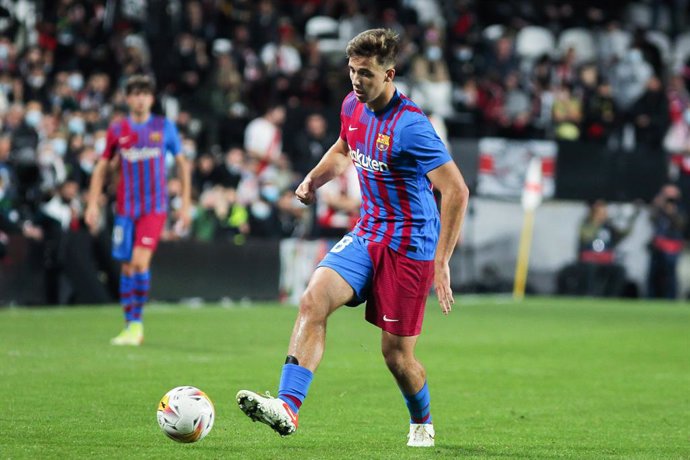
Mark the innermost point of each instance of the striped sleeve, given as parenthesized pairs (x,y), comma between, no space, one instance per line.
(419,139)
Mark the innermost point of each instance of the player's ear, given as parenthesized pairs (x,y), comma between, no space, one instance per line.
(390,74)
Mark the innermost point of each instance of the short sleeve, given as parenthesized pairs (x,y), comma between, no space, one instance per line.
(171,138)
(110,144)
(419,139)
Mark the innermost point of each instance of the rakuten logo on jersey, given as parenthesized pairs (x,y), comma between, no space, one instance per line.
(368,163)
(144,153)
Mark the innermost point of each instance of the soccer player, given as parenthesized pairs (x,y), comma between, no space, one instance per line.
(399,246)
(139,142)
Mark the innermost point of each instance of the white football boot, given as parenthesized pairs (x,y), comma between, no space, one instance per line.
(132,335)
(274,412)
(421,435)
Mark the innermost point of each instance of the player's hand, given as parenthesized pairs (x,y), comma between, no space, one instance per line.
(442,286)
(91,217)
(185,219)
(305,191)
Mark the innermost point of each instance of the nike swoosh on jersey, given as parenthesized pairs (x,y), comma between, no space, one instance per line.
(350,128)
(389,320)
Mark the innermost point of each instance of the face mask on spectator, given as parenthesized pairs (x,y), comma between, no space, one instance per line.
(463,54)
(433,53)
(59,146)
(75,81)
(270,193)
(635,56)
(261,210)
(6,88)
(33,118)
(4,51)
(86,166)
(36,81)
(99,145)
(76,125)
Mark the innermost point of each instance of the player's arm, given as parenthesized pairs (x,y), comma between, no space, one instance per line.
(92,212)
(173,144)
(448,180)
(333,163)
(185,176)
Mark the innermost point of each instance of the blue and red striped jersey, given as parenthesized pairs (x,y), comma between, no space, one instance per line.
(142,188)
(393,149)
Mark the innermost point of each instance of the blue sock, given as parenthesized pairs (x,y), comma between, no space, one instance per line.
(419,405)
(294,384)
(127,296)
(142,284)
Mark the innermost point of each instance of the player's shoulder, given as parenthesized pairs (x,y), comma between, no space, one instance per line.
(161,122)
(119,125)
(410,113)
(409,108)
(349,103)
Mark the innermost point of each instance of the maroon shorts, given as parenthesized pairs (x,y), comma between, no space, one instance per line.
(148,229)
(399,289)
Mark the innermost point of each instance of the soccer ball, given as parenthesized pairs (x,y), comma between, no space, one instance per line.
(186,414)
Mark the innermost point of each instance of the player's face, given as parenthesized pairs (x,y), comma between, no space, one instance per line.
(369,79)
(140,102)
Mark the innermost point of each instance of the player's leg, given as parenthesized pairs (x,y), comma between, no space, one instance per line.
(410,375)
(147,233)
(396,305)
(342,277)
(326,292)
(141,263)
(135,282)
(122,243)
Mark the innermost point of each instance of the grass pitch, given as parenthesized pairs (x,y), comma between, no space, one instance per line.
(541,379)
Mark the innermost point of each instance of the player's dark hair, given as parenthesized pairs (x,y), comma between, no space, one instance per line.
(140,84)
(380,43)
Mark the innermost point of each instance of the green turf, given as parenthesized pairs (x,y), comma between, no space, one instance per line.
(542,379)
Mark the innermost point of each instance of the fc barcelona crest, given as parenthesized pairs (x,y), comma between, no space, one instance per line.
(383,142)
(155,136)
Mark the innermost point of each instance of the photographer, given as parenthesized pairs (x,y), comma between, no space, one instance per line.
(668,223)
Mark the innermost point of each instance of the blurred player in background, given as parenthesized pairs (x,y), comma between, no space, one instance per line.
(139,144)
(399,246)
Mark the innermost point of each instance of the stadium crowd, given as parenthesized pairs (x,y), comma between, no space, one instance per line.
(254,89)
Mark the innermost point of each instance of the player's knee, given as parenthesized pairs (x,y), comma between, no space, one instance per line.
(138,267)
(312,306)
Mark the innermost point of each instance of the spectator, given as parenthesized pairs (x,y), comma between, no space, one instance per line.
(282,57)
(263,138)
(228,174)
(502,59)
(650,115)
(597,272)
(337,205)
(515,114)
(59,216)
(599,113)
(311,144)
(431,86)
(567,114)
(677,143)
(629,78)
(203,175)
(668,223)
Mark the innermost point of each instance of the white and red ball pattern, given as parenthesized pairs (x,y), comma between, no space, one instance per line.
(186,414)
